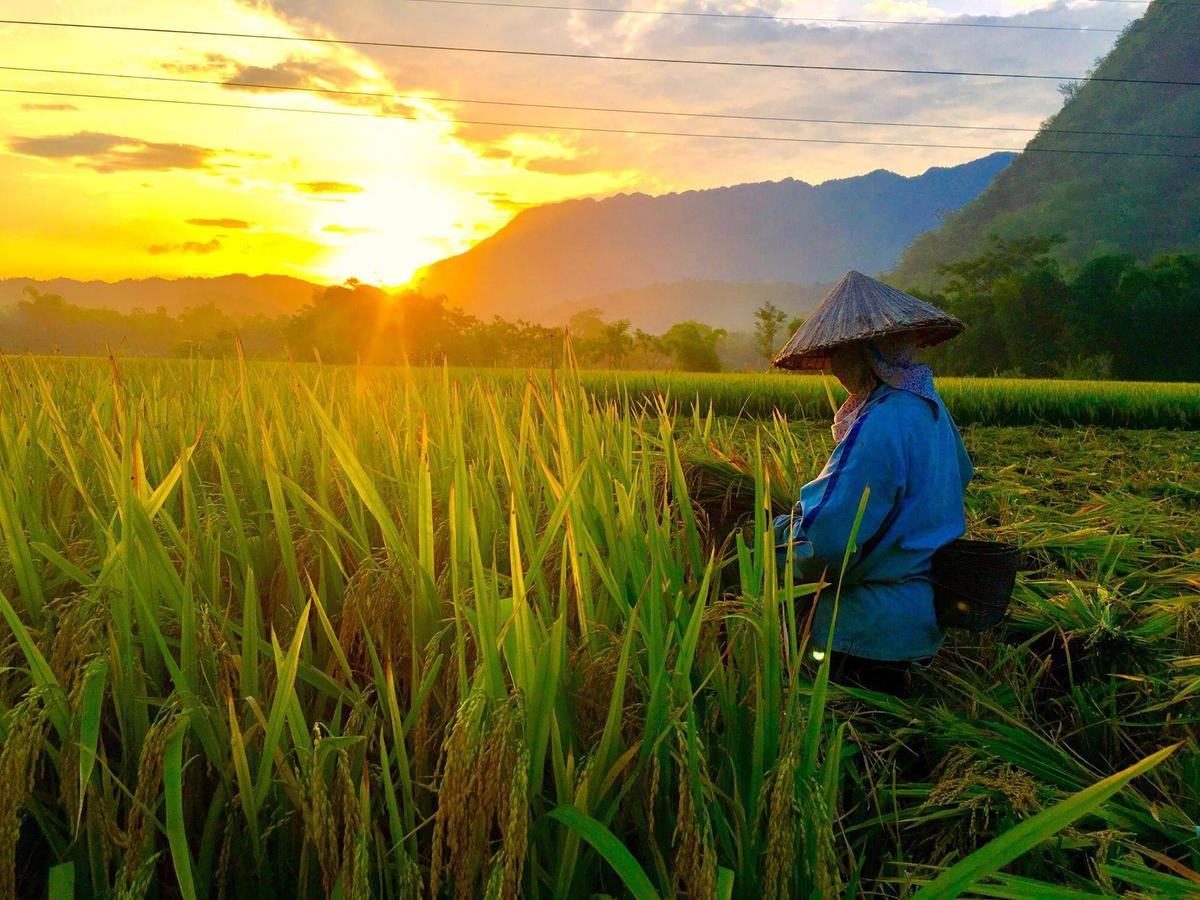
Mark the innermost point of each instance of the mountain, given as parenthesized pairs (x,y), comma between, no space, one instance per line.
(721,304)
(1140,205)
(784,231)
(237,295)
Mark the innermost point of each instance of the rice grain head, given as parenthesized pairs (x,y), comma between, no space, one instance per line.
(777,801)
(27,726)
(132,880)
(483,800)
(695,860)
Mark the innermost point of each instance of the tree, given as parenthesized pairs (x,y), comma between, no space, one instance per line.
(1113,316)
(1004,256)
(586,329)
(767,320)
(1013,299)
(693,346)
(616,342)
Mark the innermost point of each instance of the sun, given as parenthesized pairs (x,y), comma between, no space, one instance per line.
(391,229)
(380,258)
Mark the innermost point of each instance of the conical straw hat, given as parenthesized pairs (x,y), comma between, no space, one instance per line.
(859,309)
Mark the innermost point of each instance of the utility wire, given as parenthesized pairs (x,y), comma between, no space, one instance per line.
(257,85)
(770,18)
(552,54)
(594,129)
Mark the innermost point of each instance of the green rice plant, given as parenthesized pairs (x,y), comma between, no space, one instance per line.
(276,630)
(990,401)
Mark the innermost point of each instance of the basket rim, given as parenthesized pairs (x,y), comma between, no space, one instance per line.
(980,550)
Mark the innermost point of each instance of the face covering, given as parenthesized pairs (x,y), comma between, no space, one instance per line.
(892,362)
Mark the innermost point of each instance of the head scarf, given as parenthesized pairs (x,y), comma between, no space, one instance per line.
(893,364)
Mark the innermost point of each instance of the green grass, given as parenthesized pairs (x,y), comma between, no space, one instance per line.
(300,631)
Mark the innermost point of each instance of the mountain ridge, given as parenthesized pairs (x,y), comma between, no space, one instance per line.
(712,254)
(772,231)
(1141,205)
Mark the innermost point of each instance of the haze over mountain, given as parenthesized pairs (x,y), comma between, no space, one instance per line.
(237,295)
(1141,205)
(555,257)
(721,304)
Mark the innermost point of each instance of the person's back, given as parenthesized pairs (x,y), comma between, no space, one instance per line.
(907,451)
(896,441)
(936,472)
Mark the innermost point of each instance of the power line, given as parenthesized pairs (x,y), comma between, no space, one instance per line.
(257,85)
(770,18)
(595,129)
(558,54)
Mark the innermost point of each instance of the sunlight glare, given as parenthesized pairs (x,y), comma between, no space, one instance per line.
(390,230)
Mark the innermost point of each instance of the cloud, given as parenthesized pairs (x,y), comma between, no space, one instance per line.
(346,229)
(113,152)
(206,64)
(299,72)
(82,143)
(324,78)
(660,163)
(504,201)
(48,107)
(329,187)
(296,73)
(219,223)
(560,166)
(186,247)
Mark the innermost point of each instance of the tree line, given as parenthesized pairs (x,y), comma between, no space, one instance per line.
(356,322)
(1111,317)
(1027,315)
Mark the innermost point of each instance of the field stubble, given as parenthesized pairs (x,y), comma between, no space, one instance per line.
(298,631)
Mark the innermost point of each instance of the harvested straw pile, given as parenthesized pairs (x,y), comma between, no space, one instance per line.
(722,493)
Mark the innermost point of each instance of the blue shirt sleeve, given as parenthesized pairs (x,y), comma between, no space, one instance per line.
(870,456)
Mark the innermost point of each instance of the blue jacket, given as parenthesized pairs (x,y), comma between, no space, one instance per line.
(906,449)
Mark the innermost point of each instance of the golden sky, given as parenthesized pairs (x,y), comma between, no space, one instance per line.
(108,190)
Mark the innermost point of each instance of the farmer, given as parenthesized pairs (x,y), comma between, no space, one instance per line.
(895,438)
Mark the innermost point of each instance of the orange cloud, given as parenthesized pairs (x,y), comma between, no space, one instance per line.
(329,187)
(345,229)
(558,166)
(113,152)
(219,223)
(186,247)
(504,201)
(296,72)
(210,62)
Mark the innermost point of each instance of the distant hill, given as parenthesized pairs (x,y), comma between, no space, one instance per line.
(555,255)
(1138,205)
(236,295)
(721,304)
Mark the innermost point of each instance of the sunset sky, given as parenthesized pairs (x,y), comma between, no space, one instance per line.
(107,189)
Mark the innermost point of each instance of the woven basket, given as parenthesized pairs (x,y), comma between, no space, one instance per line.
(973,582)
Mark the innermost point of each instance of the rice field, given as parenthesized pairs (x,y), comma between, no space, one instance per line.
(989,401)
(289,631)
